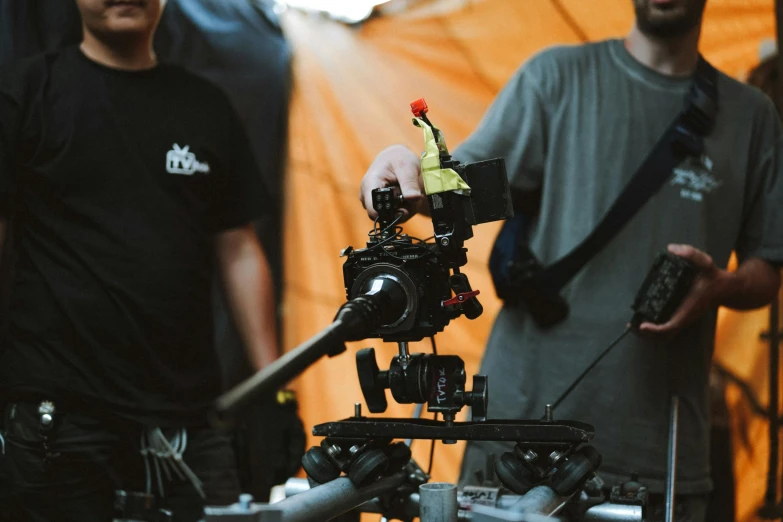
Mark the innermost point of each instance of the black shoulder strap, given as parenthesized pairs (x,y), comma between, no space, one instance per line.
(683,138)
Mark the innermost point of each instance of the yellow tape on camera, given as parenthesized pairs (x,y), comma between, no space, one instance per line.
(435,178)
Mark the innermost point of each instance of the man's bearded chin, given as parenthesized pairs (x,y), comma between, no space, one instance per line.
(659,23)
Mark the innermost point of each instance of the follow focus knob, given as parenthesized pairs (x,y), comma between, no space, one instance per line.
(478,399)
(371,380)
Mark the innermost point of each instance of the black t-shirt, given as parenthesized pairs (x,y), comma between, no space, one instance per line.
(116,182)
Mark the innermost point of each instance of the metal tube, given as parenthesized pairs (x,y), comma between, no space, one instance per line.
(438,502)
(541,500)
(334,498)
(294,486)
(770,497)
(614,513)
(329,341)
(416,415)
(671,473)
(489,514)
(402,347)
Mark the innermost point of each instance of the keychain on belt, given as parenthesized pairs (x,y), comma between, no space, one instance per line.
(45,424)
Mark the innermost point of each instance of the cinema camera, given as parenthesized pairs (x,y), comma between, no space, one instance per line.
(424,286)
(402,289)
(420,284)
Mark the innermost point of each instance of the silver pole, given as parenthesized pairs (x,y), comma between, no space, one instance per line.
(416,415)
(438,502)
(541,500)
(671,475)
(334,498)
(607,512)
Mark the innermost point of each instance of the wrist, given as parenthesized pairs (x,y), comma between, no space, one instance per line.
(727,286)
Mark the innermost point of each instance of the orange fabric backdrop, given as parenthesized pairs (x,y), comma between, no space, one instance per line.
(352,87)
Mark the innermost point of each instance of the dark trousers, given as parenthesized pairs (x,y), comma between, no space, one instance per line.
(687,508)
(72,471)
(722,506)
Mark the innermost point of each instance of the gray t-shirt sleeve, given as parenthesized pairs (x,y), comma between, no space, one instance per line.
(513,128)
(761,233)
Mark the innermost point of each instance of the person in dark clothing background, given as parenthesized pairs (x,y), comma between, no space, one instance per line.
(128,182)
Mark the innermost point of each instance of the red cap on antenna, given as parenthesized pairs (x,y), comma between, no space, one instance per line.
(419,107)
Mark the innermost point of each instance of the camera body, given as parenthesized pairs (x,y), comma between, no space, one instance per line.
(414,272)
(421,280)
(423,293)
(418,285)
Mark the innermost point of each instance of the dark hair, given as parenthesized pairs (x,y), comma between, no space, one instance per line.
(766,76)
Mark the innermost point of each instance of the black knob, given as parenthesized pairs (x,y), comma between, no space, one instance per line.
(472,308)
(478,399)
(371,380)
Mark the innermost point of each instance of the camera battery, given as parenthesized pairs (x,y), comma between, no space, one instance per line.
(663,290)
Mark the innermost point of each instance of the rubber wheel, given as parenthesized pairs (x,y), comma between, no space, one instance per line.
(319,466)
(592,455)
(513,474)
(571,474)
(368,467)
(399,455)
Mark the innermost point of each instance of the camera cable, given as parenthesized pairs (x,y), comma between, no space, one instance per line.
(592,365)
(417,414)
(432,443)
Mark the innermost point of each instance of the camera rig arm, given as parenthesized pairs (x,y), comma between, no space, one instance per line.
(354,321)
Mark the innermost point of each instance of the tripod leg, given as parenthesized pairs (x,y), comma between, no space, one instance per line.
(671,472)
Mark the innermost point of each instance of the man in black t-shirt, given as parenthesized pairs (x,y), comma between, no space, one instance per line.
(127,182)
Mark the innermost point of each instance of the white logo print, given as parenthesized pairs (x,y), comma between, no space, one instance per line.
(182,161)
(694,176)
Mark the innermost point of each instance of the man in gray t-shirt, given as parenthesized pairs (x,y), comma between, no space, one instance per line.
(573,125)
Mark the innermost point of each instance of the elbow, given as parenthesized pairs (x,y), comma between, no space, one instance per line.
(756,284)
(768,285)
(774,284)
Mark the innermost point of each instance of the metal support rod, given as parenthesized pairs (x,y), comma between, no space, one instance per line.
(541,500)
(438,502)
(671,473)
(770,497)
(334,498)
(327,342)
(405,355)
(416,415)
(354,321)
(613,513)
(505,503)
(541,503)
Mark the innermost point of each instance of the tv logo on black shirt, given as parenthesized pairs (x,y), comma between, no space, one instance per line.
(182,161)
